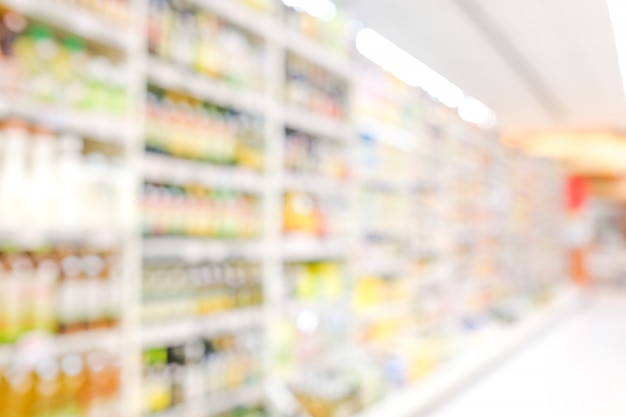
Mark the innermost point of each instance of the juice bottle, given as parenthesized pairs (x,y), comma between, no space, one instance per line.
(73,380)
(18,386)
(47,399)
(70,293)
(44,292)
(11,77)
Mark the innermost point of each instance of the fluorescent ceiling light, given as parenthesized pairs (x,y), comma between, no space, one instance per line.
(322,9)
(617,11)
(473,111)
(406,67)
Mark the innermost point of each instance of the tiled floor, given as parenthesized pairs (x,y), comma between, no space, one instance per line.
(577,369)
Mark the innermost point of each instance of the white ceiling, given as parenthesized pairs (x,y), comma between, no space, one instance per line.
(540,64)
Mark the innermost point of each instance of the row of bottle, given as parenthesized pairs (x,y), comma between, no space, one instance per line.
(198,39)
(57,291)
(72,385)
(193,210)
(60,71)
(314,88)
(329,30)
(310,154)
(315,280)
(315,216)
(177,290)
(117,11)
(191,129)
(39,168)
(203,368)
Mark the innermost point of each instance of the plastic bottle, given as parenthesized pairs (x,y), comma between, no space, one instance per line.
(13,174)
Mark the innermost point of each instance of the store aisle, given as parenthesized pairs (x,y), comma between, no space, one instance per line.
(576,370)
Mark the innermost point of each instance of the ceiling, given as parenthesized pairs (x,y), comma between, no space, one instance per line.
(542,65)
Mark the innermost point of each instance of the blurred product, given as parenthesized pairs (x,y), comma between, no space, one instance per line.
(309,154)
(313,88)
(172,290)
(320,281)
(57,291)
(199,40)
(191,129)
(80,186)
(193,210)
(314,216)
(70,385)
(330,32)
(210,367)
(60,70)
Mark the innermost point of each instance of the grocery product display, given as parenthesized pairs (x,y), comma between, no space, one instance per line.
(175,290)
(242,203)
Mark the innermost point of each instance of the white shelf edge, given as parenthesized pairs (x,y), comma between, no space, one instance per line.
(163,168)
(317,53)
(58,345)
(112,130)
(442,383)
(198,249)
(180,331)
(296,249)
(314,184)
(71,18)
(171,76)
(317,124)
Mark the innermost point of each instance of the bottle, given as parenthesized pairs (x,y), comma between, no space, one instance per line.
(47,398)
(41,181)
(44,292)
(71,184)
(13,174)
(18,384)
(73,380)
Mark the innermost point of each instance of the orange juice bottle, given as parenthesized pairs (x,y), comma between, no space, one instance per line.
(47,397)
(16,391)
(73,379)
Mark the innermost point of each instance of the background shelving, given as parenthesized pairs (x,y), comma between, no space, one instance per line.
(274,202)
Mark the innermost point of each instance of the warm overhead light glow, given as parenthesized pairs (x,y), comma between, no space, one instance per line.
(406,67)
(473,111)
(617,11)
(322,9)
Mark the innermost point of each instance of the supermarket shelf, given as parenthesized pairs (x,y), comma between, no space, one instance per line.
(384,183)
(70,18)
(417,399)
(198,249)
(317,124)
(116,131)
(161,168)
(220,403)
(385,267)
(296,306)
(314,184)
(35,238)
(317,53)
(256,22)
(171,76)
(180,331)
(309,249)
(37,346)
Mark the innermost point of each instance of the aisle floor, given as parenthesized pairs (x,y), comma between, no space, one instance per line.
(576,369)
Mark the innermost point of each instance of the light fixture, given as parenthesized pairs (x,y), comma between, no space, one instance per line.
(406,67)
(617,12)
(473,111)
(413,72)
(322,9)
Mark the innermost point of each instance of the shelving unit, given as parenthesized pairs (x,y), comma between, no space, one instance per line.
(428,168)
